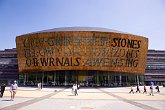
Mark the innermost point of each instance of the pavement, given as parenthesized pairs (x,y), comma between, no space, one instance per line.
(55,98)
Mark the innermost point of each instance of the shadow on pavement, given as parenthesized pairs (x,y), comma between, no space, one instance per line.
(6,100)
(71,95)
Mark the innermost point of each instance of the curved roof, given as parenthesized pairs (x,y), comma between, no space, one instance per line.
(79,29)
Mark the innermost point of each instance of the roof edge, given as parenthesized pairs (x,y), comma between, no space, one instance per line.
(94,29)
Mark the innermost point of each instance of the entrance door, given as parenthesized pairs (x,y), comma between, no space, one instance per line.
(82,78)
(86,78)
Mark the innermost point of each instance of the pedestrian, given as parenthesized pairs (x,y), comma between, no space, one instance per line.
(138,88)
(75,89)
(13,90)
(39,86)
(157,88)
(131,90)
(78,86)
(145,90)
(151,90)
(2,89)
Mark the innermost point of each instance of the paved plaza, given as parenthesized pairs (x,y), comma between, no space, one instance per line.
(28,98)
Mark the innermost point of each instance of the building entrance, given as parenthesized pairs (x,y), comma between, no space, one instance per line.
(84,78)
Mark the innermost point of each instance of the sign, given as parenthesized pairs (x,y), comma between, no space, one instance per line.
(103,51)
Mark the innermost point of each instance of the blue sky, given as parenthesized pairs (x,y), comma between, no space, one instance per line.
(139,17)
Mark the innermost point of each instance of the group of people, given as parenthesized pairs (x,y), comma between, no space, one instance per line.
(13,89)
(75,87)
(145,90)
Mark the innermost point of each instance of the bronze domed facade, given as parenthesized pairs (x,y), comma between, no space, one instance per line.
(82,49)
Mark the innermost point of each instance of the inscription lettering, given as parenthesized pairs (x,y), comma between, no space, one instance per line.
(73,50)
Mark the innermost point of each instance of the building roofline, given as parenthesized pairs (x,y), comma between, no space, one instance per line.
(94,29)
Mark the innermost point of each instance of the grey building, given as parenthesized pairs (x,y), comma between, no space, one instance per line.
(8,65)
(155,68)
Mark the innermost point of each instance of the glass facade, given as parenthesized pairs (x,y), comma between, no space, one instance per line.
(85,78)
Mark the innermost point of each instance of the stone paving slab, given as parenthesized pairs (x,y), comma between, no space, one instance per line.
(88,99)
(36,89)
(59,104)
(34,94)
(84,90)
(69,95)
(140,96)
(139,99)
(5,101)
(124,93)
(127,89)
(157,104)
(16,106)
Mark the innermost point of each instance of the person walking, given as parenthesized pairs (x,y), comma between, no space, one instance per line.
(138,90)
(75,89)
(13,90)
(131,90)
(145,90)
(78,86)
(2,89)
(157,88)
(151,90)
